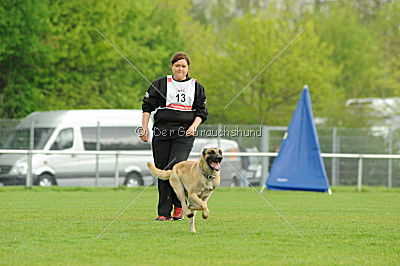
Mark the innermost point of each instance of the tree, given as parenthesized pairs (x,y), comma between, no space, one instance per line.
(89,72)
(247,45)
(387,25)
(355,50)
(53,57)
(22,55)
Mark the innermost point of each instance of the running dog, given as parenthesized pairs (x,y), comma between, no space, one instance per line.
(194,181)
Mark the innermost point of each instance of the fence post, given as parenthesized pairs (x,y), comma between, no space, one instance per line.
(334,160)
(97,156)
(359,177)
(390,162)
(265,160)
(29,179)
(116,169)
(338,140)
(219,130)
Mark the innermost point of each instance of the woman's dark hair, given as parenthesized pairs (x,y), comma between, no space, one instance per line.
(178,56)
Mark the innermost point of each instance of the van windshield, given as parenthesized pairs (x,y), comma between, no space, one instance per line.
(19,138)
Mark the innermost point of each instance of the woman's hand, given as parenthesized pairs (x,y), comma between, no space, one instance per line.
(144,134)
(191,130)
(144,130)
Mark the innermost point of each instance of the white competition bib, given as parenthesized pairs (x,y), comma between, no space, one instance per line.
(180,95)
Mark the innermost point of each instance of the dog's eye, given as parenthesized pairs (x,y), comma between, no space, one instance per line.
(220,151)
(211,152)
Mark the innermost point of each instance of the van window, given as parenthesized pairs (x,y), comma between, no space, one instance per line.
(113,138)
(64,140)
(20,138)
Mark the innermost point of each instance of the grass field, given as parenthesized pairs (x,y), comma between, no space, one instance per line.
(59,226)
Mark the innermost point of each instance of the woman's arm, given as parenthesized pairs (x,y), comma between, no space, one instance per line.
(144,133)
(192,129)
(201,109)
(152,96)
(200,103)
(150,103)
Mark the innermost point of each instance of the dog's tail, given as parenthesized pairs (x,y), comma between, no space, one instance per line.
(161,174)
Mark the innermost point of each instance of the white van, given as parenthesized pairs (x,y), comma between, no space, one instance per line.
(77,130)
(231,167)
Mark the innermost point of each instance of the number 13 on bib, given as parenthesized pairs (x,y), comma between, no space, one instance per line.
(180,94)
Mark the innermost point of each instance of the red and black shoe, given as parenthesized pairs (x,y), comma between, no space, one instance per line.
(178,214)
(163,218)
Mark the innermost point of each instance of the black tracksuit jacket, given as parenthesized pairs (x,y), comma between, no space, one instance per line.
(167,119)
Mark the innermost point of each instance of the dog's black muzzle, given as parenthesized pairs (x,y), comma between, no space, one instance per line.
(214,162)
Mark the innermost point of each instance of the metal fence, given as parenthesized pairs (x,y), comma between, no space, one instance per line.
(341,171)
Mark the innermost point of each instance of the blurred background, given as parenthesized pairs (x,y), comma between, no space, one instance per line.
(52,57)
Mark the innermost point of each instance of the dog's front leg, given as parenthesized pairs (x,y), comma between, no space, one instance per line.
(199,204)
(191,223)
(180,193)
(206,211)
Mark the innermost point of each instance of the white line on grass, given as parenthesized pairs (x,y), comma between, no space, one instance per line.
(265,199)
(262,70)
(129,62)
(119,214)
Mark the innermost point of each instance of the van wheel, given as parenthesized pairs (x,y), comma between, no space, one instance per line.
(133,180)
(45,180)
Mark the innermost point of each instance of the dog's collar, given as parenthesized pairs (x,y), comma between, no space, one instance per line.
(208,176)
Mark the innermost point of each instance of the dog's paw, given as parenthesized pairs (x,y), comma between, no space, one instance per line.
(205,214)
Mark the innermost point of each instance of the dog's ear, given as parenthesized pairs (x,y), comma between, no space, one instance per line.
(220,151)
(204,152)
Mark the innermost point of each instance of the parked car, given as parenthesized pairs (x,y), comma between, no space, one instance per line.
(252,168)
(231,165)
(77,130)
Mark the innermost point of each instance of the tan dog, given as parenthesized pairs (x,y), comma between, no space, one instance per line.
(194,181)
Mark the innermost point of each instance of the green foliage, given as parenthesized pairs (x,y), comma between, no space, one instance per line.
(387,25)
(88,71)
(355,50)
(359,33)
(67,64)
(52,56)
(21,55)
(247,46)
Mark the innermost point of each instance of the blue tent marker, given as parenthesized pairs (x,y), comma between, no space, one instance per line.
(299,165)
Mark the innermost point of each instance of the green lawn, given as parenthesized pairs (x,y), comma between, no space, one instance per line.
(59,226)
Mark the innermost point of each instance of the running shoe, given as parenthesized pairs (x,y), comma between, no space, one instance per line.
(178,214)
(163,218)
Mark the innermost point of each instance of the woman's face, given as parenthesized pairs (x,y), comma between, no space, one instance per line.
(180,69)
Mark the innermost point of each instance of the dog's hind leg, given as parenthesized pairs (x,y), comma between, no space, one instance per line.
(191,223)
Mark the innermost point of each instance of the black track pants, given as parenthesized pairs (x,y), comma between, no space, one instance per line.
(171,151)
